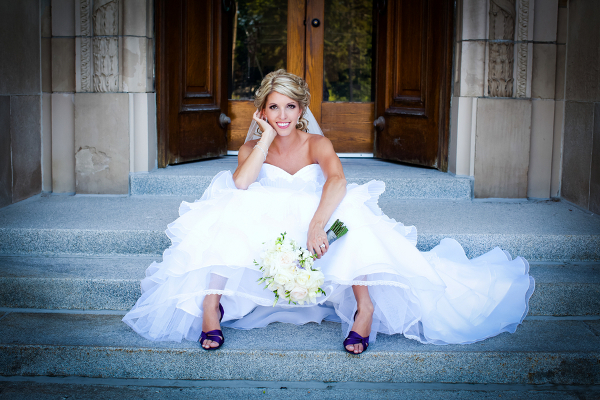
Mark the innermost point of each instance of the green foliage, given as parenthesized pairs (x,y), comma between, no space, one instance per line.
(260,44)
(348,58)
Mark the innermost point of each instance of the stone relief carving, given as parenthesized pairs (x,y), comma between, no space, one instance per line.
(522,53)
(501,54)
(86,64)
(86,46)
(106,64)
(106,17)
(106,49)
(84,7)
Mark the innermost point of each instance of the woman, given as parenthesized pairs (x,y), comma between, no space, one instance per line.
(290,179)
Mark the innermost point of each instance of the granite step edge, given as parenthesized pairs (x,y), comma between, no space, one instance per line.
(113,283)
(533,247)
(540,352)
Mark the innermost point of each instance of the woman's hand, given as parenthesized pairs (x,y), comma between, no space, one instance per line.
(268,132)
(317,242)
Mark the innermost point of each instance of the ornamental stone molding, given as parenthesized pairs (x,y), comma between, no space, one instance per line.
(522,53)
(85,45)
(106,17)
(99,45)
(501,54)
(106,64)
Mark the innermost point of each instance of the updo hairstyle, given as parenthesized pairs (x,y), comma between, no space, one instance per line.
(289,85)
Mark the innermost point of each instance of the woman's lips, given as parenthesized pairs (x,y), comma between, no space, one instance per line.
(283,125)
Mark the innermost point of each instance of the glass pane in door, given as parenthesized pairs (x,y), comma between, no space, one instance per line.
(259,44)
(348,50)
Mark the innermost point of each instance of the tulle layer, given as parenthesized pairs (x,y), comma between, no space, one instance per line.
(437,297)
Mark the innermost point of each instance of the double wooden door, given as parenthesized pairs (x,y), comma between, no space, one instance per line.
(402,116)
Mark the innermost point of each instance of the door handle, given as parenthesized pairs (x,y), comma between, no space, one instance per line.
(224,120)
(379,123)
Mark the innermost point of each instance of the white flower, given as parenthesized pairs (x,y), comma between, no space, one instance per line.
(284,277)
(287,257)
(298,293)
(303,277)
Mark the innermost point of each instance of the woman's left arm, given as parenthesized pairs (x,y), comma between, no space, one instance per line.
(334,191)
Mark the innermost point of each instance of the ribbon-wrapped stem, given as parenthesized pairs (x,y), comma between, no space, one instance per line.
(337,230)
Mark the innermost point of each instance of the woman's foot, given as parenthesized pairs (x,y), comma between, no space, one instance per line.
(362,325)
(211,319)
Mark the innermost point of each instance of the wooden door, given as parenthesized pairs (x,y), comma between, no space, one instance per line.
(192,60)
(349,124)
(413,67)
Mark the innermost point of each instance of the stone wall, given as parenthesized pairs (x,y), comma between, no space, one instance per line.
(581,103)
(103,103)
(503,108)
(21,144)
(77,102)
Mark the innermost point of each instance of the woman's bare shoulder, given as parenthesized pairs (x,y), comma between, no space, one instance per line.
(320,144)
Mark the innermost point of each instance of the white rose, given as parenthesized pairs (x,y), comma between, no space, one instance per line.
(298,293)
(283,277)
(287,257)
(303,277)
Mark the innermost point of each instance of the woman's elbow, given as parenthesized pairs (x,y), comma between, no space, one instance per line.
(240,183)
(341,181)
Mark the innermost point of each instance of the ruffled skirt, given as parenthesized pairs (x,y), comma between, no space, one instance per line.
(437,297)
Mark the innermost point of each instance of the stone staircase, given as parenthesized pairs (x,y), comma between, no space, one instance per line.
(70,267)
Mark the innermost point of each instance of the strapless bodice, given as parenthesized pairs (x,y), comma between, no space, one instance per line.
(309,173)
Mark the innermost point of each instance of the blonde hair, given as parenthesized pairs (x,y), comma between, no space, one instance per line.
(289,85)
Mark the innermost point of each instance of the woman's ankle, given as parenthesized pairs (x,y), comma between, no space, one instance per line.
(366,307)
(211,302)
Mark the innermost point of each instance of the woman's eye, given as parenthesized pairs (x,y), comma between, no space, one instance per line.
(273,107)
(292,106)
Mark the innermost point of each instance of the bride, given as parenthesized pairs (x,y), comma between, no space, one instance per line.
(289,179)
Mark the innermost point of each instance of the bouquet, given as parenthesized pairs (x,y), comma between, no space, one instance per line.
(289,270)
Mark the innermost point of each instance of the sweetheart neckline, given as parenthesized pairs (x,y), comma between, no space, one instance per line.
(294,174)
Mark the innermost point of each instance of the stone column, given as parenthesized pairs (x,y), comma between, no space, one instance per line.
(503,106)
(115,128)
(62,82)
(21,142)
(580,181)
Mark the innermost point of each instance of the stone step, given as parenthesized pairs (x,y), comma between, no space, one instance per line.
(26,388)
(113,283)
(402,181)
(110,225)
(563,352)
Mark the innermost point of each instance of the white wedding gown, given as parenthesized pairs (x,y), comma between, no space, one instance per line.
(437,297)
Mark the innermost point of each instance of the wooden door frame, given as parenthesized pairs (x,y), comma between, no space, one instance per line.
(446,95)
(297,65)
(382,72)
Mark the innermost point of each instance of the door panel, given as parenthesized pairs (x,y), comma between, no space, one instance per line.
(192,86)
(240,112)
(413,80)
(349,126)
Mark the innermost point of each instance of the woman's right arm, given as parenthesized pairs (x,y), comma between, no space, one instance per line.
(251,158)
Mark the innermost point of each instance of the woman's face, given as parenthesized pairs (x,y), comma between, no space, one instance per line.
(282,113)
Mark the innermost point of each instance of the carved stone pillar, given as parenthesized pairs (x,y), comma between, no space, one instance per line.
(501,48)
(98,46)
(106,45)
(522,47)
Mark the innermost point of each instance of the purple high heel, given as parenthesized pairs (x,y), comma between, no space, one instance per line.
(355,338)
(214,335)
